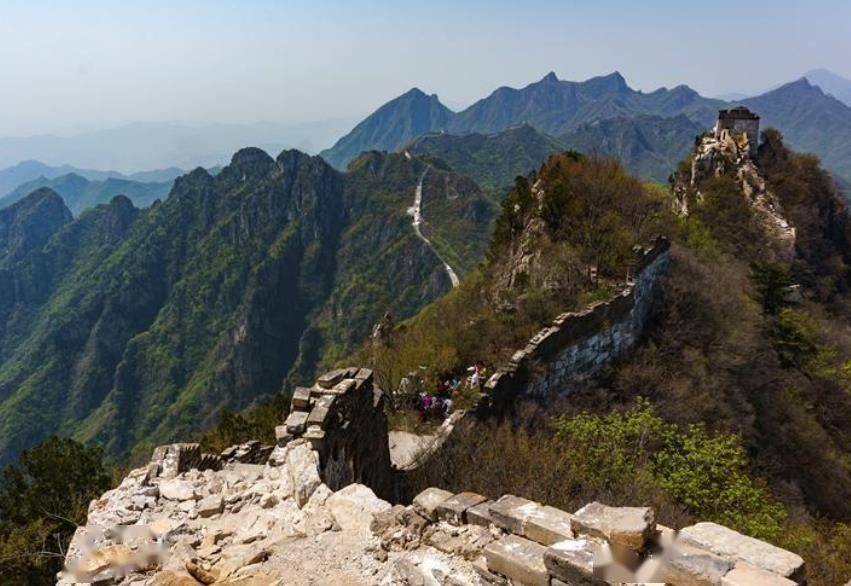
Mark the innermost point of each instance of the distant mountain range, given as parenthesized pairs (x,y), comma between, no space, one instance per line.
(131,327)
(832,84)
(810,120)
(81,194)
(152,145)
(26,171)
(603,114)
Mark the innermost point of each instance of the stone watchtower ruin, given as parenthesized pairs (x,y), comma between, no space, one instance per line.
(739,121)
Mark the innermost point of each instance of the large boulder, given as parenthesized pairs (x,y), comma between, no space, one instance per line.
(303,468)
(177,489)
(354,506)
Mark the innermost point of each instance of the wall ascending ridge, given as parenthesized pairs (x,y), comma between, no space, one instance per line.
(578,344)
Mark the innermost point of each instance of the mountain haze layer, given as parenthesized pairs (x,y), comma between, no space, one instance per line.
(81,194)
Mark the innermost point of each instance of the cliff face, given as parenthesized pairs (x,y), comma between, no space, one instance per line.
(125,326)
(725,155)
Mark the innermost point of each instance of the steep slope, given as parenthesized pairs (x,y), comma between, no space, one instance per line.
(491,160)
(392,125)
(80,193)
(136,326)
(28,224)
(831,83)
(810,120)
(649,146)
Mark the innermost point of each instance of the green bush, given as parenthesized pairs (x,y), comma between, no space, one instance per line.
(43,498)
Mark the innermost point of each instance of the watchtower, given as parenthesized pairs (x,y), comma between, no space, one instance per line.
(738,121)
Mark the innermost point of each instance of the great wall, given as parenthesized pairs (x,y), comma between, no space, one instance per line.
(327,506)
(309,514)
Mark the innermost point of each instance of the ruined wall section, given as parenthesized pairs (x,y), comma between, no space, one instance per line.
(577,344)
(343,417)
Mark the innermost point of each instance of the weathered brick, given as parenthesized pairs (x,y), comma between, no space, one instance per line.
(689,565)
(331,378)
(453,509)
(744,574)
(547,525)
(510,512)
(301,399)
(296,422)
(519,559)
(480,514)
(734,546)
(427,501)
(627,526)
(571,560)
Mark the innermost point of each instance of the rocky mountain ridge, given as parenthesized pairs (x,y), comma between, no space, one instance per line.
(564,108)
(124,324)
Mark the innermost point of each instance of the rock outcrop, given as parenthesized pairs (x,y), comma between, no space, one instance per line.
(308,515)
(727,153)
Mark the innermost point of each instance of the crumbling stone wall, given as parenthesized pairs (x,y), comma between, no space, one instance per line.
(343,417)
(577,344)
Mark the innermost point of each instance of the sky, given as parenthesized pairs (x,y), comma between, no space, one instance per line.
(70,66)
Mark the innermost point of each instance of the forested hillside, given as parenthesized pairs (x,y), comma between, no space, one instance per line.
(735,407)
(129,327)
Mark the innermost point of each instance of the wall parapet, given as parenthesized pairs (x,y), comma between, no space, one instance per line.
(577,344)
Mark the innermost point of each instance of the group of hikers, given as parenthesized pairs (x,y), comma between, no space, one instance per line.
(437,397)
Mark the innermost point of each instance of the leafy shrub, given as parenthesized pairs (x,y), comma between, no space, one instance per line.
(43,498)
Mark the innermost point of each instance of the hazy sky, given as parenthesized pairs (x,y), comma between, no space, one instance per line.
(91,63)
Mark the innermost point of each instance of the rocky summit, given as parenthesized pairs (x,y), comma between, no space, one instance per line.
(188,518)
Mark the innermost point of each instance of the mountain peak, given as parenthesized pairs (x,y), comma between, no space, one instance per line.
(252,161)
(550,78)
(613,83)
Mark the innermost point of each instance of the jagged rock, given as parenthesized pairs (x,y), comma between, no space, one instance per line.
(177,489)
(199,573)
(210,505)
(734,546)
(171,578)
(384,520)
(427,501)
(253,580)
(353,507)
(453,509)
(303,467)
(627,526)
(518,559)
(236,557)
(466,541)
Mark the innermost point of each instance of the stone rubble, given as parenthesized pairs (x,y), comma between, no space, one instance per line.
(186,519)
